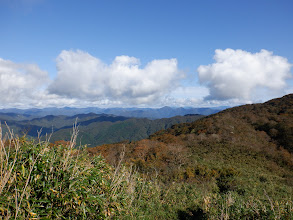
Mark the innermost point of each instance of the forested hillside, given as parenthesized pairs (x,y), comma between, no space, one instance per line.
(94,129)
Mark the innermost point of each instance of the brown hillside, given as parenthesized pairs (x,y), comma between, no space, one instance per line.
(271,121)
(231,150)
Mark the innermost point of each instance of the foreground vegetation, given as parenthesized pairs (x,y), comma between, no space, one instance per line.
(44,181)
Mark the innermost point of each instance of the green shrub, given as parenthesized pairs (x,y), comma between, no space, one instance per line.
(53,182)
(39,180)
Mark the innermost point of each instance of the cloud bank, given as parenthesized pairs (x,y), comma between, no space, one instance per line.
(238,74)
(236,77)
(83,76)
(83,80)
(20,83)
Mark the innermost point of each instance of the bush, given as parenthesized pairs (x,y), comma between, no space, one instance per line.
(39,180)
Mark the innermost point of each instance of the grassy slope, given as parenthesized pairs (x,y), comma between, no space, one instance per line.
(45,181)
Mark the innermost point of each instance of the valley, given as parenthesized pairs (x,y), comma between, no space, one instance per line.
(94,129)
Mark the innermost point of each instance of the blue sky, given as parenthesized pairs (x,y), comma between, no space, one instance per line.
(144,53)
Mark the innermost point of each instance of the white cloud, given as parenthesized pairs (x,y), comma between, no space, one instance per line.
(19,83)
(83,80)
(238,74)
(83,76)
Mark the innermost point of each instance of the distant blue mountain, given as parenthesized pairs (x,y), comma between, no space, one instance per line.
(150,113)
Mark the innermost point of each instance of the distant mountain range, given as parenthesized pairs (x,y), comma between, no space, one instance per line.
(94,129)
(150,113)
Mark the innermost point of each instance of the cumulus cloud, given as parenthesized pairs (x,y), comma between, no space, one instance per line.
(238,74)
(83,80)
(19,83)
(82,76)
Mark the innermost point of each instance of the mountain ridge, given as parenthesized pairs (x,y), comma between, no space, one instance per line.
(150,113)
(95,129)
